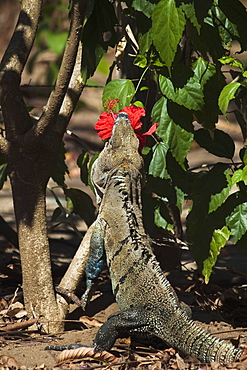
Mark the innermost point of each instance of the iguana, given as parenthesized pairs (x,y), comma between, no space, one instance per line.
(148,303)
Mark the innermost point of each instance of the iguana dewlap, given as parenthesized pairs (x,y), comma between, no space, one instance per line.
(148,303)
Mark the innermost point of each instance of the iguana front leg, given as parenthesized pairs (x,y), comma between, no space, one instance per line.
(95,261)
(122,324)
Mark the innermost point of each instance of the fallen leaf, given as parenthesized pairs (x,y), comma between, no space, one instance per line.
(83,352)
(90,321)
(9,362)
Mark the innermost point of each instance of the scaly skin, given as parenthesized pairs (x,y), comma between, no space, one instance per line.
(148,303)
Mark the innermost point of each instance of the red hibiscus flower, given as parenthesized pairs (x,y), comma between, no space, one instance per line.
(106,120)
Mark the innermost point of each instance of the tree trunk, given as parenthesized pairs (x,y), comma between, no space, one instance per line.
(29,176)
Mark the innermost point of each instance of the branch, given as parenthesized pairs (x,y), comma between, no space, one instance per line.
(51,110)
(77,266)
(73,94)
(22,40)
(15,115)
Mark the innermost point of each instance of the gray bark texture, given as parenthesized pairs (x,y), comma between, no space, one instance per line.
(30,149)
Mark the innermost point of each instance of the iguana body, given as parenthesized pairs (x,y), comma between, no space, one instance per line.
(148,303)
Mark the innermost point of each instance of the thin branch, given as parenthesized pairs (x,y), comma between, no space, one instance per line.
(77,266)
(16,117)
(51,110)
(22,40)
(72,96)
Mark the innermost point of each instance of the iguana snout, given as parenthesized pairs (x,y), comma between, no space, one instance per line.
(123,134)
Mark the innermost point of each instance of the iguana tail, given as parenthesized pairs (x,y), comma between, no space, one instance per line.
(188,337)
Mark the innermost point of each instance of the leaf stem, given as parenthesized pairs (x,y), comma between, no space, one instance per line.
(141,78)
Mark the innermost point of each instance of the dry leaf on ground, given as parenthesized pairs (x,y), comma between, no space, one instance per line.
(83,352)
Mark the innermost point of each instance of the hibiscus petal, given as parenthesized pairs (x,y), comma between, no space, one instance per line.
(104,125)
(151,130)
(135,114)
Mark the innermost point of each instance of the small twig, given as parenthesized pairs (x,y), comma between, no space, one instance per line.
(205,165)
(52,86)
(141,78)
(233,270)
(12,299)
(228,331)
(19,325)
(69,295)
(81,142)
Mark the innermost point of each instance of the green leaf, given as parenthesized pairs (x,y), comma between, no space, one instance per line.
(208,115)
(162,217)
(119,89)
(82,163)
(92,160)
(243,154)
(146,150)
(56,213)
(218,241)
(80,203)
(181,116)
(138,103)
(166,87)
(237,176)
(162,187)
(237,221)
(178,139)
(227,94)
(61,167)
(191,95)
(181,178)
(189,10)
(240,175)
(157,166)
(235,11)
(143,6)
(140,61)
(217,199)
(101,22)
(145,41)
(3,174)
(227,30)
(180,198)
(200,223)
(204,45)
(167,29)
(216,142)
(203,70)
(231,61)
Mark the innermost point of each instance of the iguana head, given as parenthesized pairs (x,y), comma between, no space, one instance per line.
(123,136)
(120,153)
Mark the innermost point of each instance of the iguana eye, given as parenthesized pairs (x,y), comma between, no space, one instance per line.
(122,115)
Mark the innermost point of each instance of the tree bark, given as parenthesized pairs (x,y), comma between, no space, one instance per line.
(30,148)
(28,179)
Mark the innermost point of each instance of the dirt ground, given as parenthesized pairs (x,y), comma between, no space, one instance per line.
(220,307)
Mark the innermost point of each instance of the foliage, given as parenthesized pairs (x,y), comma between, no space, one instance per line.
(185,48)
(176,51)
(51,36)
